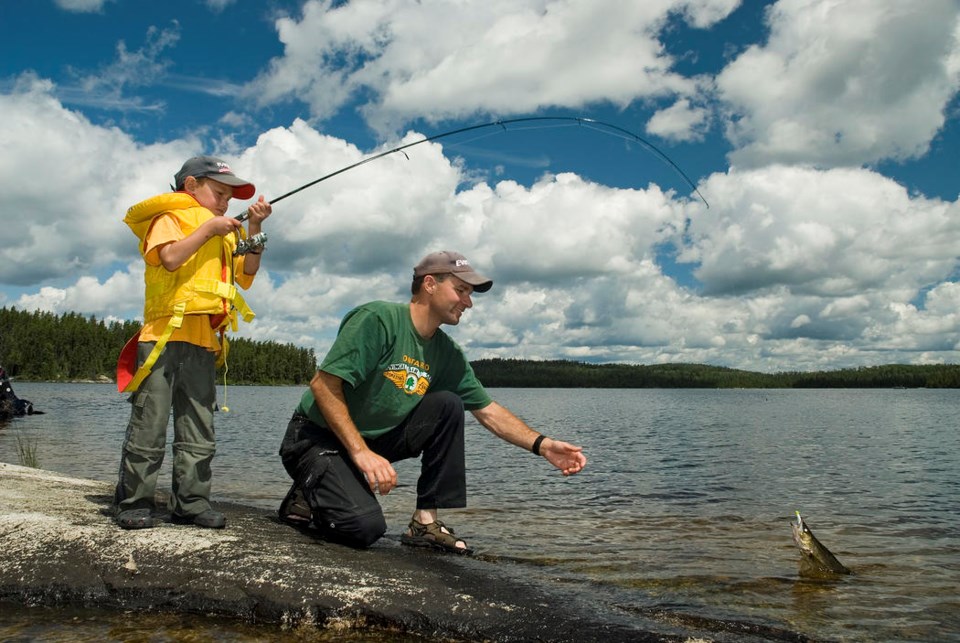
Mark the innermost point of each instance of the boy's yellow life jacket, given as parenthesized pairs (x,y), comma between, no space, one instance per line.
(203,285)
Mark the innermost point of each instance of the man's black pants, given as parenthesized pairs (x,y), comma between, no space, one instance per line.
(343,507)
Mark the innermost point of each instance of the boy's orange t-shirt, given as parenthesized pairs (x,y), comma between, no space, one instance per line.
(195,328)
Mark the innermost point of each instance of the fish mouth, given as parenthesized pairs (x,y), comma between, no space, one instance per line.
(800,527)
(799,540)
(800,537)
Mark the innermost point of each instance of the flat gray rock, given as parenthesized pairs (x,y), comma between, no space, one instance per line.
(61,546)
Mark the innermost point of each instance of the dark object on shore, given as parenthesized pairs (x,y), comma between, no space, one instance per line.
(10,404)
(816,559)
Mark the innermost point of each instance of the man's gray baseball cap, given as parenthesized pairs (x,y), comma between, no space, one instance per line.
(446,261)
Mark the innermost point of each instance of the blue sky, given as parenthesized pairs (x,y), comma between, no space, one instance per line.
(825,136)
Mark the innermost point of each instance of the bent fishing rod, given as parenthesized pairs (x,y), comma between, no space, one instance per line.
(589,123)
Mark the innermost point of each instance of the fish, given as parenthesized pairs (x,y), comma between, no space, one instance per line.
(815,557)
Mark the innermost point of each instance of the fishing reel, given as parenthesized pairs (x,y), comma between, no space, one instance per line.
(254,244)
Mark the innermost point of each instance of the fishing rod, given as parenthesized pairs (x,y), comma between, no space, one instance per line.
(590,123)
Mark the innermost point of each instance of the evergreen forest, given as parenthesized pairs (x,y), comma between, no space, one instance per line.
(566,374)
(41,346)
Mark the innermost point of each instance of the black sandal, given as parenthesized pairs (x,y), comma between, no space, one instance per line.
(435,535)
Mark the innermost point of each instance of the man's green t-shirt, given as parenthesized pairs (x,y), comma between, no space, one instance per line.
(387,368)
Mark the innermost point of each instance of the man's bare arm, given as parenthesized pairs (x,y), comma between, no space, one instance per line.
(507,426)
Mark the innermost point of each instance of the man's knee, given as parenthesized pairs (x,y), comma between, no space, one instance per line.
(445,402)
(342,508)
(437,422)
(359,531)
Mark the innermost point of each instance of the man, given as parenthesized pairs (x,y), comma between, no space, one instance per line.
(395,386)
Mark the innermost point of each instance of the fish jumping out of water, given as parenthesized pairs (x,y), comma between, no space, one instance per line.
(816,557)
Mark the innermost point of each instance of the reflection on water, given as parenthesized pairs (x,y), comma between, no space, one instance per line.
(685,505)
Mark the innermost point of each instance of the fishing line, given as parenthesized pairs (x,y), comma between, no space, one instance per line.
(588,123)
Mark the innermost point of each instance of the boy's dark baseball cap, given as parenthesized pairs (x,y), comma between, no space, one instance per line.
(446,261)
(218,170)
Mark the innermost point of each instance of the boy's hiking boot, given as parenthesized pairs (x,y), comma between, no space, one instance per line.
(209,519)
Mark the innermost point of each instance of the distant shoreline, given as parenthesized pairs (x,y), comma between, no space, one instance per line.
(509,373)
(519,373)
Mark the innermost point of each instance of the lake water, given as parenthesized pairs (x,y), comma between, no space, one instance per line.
(684,507)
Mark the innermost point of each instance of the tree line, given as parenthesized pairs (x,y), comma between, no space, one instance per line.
(69,347)
(518,373)
(43,346)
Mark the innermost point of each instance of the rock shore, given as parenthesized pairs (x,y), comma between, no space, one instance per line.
(59,546)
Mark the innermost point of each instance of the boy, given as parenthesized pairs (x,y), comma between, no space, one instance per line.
(189,247)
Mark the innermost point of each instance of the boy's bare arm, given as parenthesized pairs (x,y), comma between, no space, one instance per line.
(175,254)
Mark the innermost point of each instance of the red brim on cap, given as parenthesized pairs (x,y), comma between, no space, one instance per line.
(241,189)
(244,192)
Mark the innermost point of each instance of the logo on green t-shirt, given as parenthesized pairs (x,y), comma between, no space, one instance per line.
(410,376)
(410,384)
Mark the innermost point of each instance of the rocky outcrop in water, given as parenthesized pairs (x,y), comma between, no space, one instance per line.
(61,547)
(11,405)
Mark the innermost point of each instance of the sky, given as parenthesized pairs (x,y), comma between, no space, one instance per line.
(819,229)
